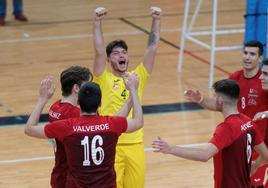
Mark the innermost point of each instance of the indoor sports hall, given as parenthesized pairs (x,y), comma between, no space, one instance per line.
(58,35)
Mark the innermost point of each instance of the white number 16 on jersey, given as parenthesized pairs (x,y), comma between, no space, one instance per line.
(249,145)
(95,151)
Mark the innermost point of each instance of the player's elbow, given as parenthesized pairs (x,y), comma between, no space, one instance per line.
(27,131)
(204,159)
(139,120)
(141,123)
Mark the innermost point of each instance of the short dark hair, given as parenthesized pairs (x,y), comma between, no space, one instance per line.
(115,44)
(228,87)
(73,75)
(89,97)
(265,62)
(255,43)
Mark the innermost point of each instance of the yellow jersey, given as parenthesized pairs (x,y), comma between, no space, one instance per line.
(115,94)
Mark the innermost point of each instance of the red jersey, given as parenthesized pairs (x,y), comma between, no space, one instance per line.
(60,111)
(252,98)
(89,143)
(235,139)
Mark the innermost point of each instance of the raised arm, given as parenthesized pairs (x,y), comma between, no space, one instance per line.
(124,111)
(100,56)
(198,153)
(46,91)
(206,102)
(132,84)
(153,40)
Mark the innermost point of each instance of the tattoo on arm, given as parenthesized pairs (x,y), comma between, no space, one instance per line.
(152,39)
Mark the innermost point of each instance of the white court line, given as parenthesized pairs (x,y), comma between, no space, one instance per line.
(70,37)
(52,157)
(26,159)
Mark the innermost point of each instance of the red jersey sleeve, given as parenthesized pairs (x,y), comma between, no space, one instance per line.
(118,123)
(235,76)
(61,110)
(57,129)
(222,136)
(232,76)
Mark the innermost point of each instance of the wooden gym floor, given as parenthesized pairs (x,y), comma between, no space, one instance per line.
(59,34)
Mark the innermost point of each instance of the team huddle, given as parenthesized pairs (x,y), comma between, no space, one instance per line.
(97,123)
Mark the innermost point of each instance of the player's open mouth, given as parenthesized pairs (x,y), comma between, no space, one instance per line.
(122,62)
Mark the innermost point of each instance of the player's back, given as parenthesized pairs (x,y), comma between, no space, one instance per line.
(91,160)
(252,99)
(90,143)
(60,111)
(233,162)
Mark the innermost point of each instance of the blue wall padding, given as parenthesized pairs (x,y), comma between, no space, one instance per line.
(262,24)
(256,22)
(250,32)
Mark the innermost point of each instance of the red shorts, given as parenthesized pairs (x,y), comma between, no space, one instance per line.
(259,178)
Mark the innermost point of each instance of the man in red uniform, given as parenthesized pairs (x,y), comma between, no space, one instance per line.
(264,115)
(71,80)
(252,98)
(231,145)
(89,140)
(264,81)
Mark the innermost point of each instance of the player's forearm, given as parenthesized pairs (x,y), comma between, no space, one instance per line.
(209,104)
(153,41)
(137,109)
(98,37)
(124,111)
(154,35)
(196,154)
(35,115)
(99,59)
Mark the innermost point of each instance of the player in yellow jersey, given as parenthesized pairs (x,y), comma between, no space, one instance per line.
(130,159)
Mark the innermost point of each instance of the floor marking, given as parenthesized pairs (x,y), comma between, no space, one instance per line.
(19,160)
(80,36)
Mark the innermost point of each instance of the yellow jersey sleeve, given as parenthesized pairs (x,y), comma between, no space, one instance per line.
(115,94)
